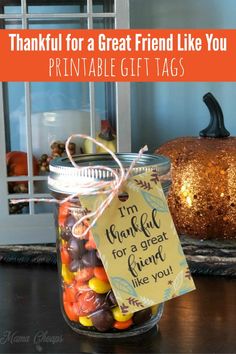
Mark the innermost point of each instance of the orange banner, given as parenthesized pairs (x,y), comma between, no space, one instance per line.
(118,55)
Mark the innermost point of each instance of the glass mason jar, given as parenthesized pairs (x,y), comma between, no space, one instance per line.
(87,301)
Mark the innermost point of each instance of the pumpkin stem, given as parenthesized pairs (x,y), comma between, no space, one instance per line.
(216,127)
(106,131)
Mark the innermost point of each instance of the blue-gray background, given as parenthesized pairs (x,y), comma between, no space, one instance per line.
(162,111)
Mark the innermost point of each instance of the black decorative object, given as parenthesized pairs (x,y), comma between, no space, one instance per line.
(216,127)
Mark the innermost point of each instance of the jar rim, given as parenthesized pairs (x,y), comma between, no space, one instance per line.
(63,175)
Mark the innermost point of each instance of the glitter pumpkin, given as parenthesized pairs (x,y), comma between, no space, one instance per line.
(202,198)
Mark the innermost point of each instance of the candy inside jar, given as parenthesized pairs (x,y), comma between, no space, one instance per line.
(87,298)
(88,303)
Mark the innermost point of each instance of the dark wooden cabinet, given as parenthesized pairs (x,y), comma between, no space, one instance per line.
(202,321)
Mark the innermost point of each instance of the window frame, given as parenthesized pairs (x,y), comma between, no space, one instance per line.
(39,228)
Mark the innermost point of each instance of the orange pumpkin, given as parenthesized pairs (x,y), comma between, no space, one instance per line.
(202,198)
(17,166)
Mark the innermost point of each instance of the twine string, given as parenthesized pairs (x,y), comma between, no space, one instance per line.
(110,187)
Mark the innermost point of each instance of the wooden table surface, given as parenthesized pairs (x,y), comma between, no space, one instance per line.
(203,321)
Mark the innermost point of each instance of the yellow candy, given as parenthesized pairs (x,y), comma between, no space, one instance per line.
(119,316)
(99,286)
(85,321)
(67,276)
(63,242)
(154,309)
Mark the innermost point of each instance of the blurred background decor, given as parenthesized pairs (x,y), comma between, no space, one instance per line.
(202,199)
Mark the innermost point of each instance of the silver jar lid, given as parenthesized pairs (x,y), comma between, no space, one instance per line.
(65,178)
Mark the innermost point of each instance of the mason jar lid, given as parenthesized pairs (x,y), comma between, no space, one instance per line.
(65,178)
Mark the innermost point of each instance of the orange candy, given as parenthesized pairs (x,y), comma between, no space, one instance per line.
(86,304)
(65,257)
(63,212)
(84,274)
(70,294)
(90,244)
(81,287)
(123,325)
(100,273)
(69,310)
(64,297)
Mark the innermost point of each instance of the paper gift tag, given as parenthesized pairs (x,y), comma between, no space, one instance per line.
(139,246)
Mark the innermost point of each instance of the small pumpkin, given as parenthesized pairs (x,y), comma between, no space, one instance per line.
(202,198)
(17,166)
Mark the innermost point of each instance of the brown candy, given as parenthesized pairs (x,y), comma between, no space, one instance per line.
(76,248)
(90,259)
(102,320)
(111,298)
(142,316)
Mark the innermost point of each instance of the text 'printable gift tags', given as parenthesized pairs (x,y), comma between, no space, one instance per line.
(139,245)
